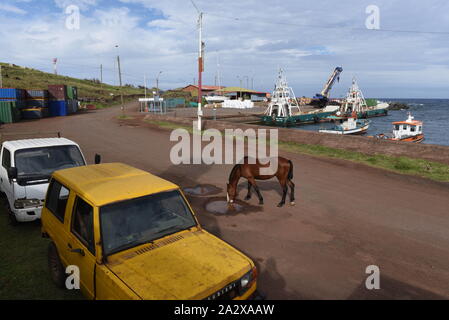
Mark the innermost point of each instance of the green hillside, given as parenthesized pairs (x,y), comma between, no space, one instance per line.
(27,78)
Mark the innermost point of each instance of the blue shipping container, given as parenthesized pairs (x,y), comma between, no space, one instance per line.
(72,106)
(58,108)
(8,94)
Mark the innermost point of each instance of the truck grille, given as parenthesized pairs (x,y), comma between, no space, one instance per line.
(227,293)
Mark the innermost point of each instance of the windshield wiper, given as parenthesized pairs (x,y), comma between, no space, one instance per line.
(129,245)
(175,229)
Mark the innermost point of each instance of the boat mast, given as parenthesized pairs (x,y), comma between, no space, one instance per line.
(355,101)
(283,100)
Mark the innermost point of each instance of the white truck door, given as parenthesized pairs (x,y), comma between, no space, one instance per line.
(6,185)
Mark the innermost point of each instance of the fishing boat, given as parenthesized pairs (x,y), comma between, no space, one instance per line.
(284,109)
(355,102)
(347,125)
(409,130)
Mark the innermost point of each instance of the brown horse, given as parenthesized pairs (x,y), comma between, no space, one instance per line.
(249,171)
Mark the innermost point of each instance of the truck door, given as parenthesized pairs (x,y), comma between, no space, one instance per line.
(81,244)
(6,184)
(56,214)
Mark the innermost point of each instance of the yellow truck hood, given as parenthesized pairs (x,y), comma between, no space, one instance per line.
(188,265)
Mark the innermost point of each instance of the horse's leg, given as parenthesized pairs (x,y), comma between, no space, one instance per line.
(253,183)
(292,194)
(284,193)
(283,183)
(249,191)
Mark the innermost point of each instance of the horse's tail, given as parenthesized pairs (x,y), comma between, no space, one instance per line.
(290,171)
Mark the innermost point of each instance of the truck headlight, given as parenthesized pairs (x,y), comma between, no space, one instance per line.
(247,280)
(26,203)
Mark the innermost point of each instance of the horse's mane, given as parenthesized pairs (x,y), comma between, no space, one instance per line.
(233,171)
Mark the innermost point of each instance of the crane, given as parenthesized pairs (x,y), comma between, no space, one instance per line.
(322,98)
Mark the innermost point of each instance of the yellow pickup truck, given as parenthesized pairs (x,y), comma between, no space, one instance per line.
(133,235)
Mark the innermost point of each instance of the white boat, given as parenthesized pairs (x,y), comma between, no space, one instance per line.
(350,125)
(410,130)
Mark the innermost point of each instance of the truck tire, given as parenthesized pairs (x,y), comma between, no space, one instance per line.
(54,264)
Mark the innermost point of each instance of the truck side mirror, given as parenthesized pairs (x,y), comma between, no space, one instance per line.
(97,159)
(12,173)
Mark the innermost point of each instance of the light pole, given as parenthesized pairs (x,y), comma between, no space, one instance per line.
(157,82)
(241,85)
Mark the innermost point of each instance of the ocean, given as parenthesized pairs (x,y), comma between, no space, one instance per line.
(434,113)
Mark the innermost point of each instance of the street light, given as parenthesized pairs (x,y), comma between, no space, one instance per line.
(241,84)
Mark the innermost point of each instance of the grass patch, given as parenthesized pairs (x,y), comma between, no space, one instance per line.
(169,125)
(27,78)
(404,165)
(417,167)
(125,117)
(24,271)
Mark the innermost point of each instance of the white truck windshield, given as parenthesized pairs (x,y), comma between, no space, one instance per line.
(42,162)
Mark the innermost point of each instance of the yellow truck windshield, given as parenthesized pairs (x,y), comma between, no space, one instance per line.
(134,222)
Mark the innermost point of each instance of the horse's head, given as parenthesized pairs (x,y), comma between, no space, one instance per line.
(231,193)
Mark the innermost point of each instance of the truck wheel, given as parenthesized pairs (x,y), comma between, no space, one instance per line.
(54,264)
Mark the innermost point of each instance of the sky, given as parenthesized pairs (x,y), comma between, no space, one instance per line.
(246,42)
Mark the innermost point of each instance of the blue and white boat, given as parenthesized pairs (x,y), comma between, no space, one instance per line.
(347,125)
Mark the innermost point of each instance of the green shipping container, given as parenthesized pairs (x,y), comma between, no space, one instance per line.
(72,93)
(9,112)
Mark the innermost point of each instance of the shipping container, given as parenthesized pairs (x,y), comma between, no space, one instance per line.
(8,94)
(36,94)
(58,108)
(38,103)
(72,93)
(57,92)
(8,112)
(34,113)
(72,106)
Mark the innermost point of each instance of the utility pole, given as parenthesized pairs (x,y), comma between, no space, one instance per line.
(1,77)
(200,64)
(55,66)
(101,73)
(120,82)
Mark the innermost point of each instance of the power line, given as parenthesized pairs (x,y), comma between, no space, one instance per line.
(327,27)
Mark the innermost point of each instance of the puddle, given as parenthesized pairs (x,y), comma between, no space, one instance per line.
(223,207)
(201,190)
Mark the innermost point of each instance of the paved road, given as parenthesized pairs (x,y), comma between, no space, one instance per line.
(348,216)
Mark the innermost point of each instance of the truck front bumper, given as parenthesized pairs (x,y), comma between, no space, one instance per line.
(27,214)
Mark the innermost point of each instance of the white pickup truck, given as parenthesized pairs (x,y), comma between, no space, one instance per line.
(26,167)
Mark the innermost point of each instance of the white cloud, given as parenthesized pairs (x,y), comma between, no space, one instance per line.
(10,8)
(82,4)
(299,36)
